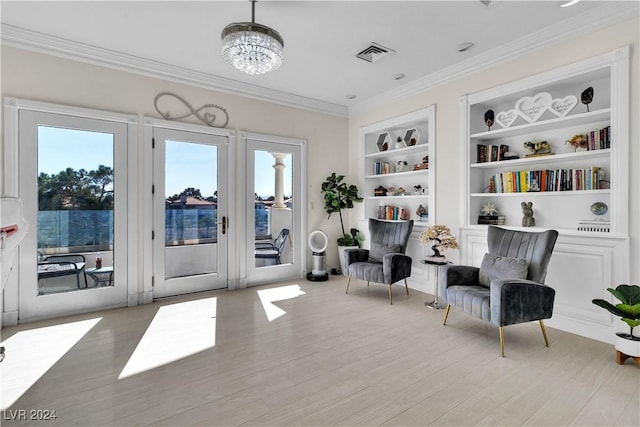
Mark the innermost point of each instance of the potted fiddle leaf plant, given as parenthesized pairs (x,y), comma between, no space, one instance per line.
(338,195)
(629,312)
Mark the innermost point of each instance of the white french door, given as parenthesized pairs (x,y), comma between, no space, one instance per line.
(275,206)
(73,185)
(191,222)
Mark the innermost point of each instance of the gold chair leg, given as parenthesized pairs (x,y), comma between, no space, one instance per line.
(348,282)
(501,341)
(390,296)
(544,333)
(446,314)
(406,285)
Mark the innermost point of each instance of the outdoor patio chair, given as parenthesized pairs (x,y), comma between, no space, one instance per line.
(62,265)
(268,250)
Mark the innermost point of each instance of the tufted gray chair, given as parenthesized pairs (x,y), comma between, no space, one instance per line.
(508,288)
(385,262)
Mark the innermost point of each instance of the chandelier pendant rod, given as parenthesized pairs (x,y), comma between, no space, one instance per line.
(253,11)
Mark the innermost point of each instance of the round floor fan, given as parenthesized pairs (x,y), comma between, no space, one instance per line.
(318,242)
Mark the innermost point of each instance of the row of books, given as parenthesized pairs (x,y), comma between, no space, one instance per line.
(598,139)
(491,219)
(597,226)
(592,178)
(492,153)
(392,213)
(600,226)
(380,168)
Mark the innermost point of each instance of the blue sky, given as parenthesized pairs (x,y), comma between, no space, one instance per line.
(60,148)
(187,165)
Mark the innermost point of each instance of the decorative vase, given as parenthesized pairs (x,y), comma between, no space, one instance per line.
(580,148)
(628,346)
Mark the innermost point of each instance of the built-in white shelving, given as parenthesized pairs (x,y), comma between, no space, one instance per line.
(584,263)
(393,167)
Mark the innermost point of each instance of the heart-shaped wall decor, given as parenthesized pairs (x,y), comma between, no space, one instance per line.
(561,106)
(506,118)
(532,108)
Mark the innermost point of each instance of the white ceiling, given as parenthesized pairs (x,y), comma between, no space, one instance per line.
(182,38)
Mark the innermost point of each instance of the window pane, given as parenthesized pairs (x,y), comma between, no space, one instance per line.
(273,207)
(191,206)
(75,209)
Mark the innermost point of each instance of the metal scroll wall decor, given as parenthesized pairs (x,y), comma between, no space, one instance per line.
(210,114)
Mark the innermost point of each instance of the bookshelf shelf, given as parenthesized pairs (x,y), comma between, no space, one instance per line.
(418,148)
(528,194)
(562,158)
(397,174)
(545,125)
(398,198)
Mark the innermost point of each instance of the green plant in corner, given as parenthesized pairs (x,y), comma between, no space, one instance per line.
(339,195)
(628,310)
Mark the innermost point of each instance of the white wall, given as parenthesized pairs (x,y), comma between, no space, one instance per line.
(448,183)
(35,76)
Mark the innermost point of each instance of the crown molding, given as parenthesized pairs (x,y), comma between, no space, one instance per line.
(56,46)
(587,22)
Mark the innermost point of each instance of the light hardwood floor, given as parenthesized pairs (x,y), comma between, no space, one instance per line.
(333,359)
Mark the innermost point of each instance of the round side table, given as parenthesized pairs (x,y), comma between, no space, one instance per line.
(101,276)
(437,263)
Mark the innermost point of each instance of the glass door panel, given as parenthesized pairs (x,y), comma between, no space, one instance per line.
(75,209)
(190,212)
(191,190)
(273,177)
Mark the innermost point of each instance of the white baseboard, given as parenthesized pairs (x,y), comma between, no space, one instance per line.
(146,297)
(10,318)
(598,332)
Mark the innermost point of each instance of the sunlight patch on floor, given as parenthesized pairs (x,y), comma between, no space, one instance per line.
(30,354)
(177,331)
(268,296)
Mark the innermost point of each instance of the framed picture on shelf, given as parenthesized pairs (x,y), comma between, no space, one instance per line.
(384,140)
(411,137)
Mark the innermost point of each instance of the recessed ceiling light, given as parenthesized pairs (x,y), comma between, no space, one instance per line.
(463,47)
(569,3)
(398,76)
(351,96)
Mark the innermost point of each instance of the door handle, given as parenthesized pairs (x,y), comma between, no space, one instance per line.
(224,225)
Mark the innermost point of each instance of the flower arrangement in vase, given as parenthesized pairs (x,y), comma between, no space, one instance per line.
(442,238)
(578,142)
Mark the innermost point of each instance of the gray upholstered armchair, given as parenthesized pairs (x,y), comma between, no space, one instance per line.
(508,288)
(386,261)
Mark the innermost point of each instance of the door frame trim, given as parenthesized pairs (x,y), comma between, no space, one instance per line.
(146,258)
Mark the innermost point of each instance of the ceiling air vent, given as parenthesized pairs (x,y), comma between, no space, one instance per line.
(374,52)
(488,3)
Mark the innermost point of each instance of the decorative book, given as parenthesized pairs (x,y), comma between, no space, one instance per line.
(491,219)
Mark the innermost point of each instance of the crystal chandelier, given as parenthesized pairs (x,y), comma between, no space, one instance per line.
(251,47)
